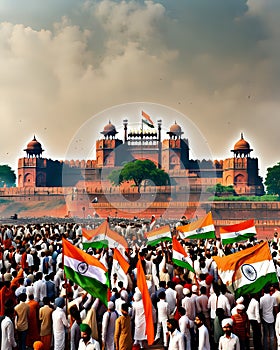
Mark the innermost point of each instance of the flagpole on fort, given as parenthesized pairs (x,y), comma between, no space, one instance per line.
(142,129)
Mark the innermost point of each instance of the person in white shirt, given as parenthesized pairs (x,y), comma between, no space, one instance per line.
(59,324)
(228,341)
(268,307)
(253,313)
(7,329)
(86,341)
(185,324)
(203,334)
(188,304)
(202,305)
(108,326)
(163,315)
(171,296)
(277,330)
(39,285)
(176,338)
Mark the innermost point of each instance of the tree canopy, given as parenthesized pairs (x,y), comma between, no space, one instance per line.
(272,180)
(219,189)
(7,176)
(138,171)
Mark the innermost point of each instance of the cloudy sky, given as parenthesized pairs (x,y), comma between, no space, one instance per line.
(65,62)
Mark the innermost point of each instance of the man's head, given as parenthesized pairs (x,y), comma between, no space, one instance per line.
(240,308)
(124,309)
(111,306)
(85,332)
(172,324)
(199,319)
(227,325)
(162,295)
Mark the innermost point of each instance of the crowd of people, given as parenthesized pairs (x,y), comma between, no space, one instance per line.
(39,309)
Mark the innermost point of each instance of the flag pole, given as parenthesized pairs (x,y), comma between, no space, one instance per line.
(142,131)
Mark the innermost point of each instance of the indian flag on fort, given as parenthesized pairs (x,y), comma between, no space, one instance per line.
(238,232)
(86,271)
(201,229)
(158,235)
(103,236)
(146,119)
(180,256)
(248,270)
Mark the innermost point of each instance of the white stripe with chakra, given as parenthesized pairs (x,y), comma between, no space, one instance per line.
(97,238)
(198,231)
(251,272)
(85,269)
(178,256)
(228,235)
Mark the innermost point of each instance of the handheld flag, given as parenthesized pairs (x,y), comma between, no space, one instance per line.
(120,267)
(147,302)
(158,235)
(179,256)
(248,270)
(200,229)
(146,119)
(86,271)
(103,236)
(238,232)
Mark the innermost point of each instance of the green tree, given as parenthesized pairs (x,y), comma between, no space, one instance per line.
(138,171)
(7,176)
(219,189)
(272,180)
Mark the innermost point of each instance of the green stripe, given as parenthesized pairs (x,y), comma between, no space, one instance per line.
(159,240)
(183,264)
(206,235)
(238,238)
(91,285)
(145,121)
(256,286)
(97,244)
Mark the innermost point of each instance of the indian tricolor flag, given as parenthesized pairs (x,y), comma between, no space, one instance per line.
(158,235)
(248,270)
(146,119)
(201,229)
(103,236)
(238,232)
(180,256)
(86,271)
(120,267)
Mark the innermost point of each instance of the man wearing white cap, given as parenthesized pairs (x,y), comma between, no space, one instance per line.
(108,327)
(240,300)
(228,341)
(241,326)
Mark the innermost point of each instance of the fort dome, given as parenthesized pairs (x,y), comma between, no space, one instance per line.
(241,144)
(34,148)
(242,148)
(175,129)
(109,130)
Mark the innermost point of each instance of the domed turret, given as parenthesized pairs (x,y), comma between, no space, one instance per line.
(175,131)
(242,148)
(34,148)
(109,130)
